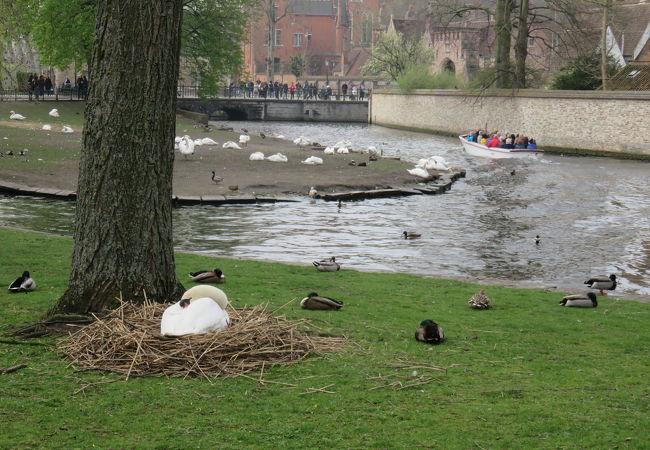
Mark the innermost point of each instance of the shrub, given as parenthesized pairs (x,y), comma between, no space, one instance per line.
(419,77)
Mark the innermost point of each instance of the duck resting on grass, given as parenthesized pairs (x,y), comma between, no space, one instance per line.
(479,301)
(208,276)
(580,300)
(327,265)
(429,332)
(318,302)
(602,283)
(24,283)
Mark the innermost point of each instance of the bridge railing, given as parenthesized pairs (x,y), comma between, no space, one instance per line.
(301,94)
(54,94)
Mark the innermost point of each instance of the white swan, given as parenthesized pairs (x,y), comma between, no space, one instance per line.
(15,116)
(329,150)
(279,136)
(278,157)
(198,142)
(202,315)
(433,162)
(243,139)
(313,193)
(208,141)
(301,142)
(54,112)
(257,156)
(231,144)
(186,146)
(67,129)
(47,127)
(313,161)
(177,139)
(205,290)
(343,150)
(419,172)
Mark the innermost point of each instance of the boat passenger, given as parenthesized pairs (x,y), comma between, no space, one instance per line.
(483,140)
(508,144)
(469,138)
(476,135)
(532,145)
(494,142)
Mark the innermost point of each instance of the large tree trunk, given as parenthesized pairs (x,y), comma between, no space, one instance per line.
(503,26)
(270,57)
(123,231)
(521,45)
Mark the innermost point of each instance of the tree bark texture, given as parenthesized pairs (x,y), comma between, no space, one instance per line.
(123,230)
(503,26)
(521,45)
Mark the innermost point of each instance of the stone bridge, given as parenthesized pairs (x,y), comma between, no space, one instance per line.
(271,109)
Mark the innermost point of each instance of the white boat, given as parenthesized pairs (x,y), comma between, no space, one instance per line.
(484,151)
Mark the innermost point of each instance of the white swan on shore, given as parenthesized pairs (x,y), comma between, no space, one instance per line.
(47,127)
(231,144)
(257,156)
(301,142)
(343,150)
(244,139)
(67,129)
(329,151)
(186,146)
(54,112)
(313,161)
(208,141)
(278,157)
(419,172)
(15,116)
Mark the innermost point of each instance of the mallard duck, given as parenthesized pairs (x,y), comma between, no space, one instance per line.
(479,301)
(411,235)
(429,332)
(202,315)
(318,302)
(537,240)
(54,112)
(587,300)
(24,283)
(327,265)
(262,135)
(602,283)
(208,276)
(15,116)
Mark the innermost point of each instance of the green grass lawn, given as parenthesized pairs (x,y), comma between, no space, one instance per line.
(525,374)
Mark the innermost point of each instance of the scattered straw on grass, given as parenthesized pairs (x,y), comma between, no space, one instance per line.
(128,341)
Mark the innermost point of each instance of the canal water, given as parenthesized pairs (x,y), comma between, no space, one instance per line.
(592,214)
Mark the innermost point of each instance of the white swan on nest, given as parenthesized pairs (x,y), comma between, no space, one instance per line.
(313,161)
(419,172)
(208,141)
(47,127)
(15,116)
(54,112)
(278,157)
(244,139)
(202,315)
(186,146)
(231,144)
(257,156)
(67,129)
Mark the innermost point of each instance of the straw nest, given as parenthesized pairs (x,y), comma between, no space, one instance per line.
(128,341)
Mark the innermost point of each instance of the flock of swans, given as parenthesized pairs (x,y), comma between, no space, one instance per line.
(46,127)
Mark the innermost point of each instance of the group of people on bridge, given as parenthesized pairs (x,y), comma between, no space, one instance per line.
(296,91)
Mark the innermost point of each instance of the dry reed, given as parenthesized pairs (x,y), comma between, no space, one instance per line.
(128,341)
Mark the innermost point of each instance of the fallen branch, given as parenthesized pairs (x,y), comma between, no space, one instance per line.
(12,369)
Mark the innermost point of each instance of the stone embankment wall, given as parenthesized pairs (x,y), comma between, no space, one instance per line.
(294,110)
(568,121)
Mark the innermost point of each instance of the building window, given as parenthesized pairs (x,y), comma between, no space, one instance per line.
(297,39)
(276,65)
(447,48)
(366,33)
(278,35)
